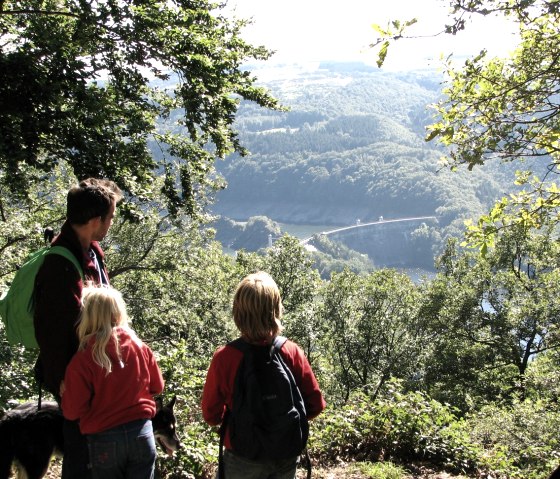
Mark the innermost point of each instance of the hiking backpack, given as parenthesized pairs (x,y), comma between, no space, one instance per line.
(16,304)
(268,420)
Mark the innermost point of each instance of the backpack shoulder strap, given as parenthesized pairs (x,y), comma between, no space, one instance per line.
(279,342)
(66,253)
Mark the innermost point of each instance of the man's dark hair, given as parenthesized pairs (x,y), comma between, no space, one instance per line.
(91,198)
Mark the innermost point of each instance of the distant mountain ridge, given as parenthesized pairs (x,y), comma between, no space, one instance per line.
(352,146)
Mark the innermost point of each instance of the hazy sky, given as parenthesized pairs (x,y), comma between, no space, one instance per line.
(314,30)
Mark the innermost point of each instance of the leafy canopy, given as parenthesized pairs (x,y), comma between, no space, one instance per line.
(84,82)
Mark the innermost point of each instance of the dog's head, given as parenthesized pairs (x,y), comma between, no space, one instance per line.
(163,425)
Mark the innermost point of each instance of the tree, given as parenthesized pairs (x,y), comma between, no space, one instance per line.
(105,85)
(491,316)
(505,109)
(373,329)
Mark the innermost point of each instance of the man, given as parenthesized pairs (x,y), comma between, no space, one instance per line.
(58,289)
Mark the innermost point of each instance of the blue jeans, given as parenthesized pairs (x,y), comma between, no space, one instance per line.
(236,467)
(127,451)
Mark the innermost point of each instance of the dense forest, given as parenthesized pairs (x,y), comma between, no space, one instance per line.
(351,146)
(458,372)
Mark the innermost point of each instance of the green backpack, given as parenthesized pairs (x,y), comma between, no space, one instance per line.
(16,304)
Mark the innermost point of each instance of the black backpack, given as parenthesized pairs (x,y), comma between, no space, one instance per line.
(268,420)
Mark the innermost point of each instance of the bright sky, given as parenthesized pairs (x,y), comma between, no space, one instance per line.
(313,30)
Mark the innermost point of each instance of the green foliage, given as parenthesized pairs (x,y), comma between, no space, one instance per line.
(99,84)
(508,109)
(24,218)
(252,235)
(177,284)
(184,374)
(490,316)
(542,380)
(397,425)
(506,442)
(520,441)
(373,329)
(333,256)
(394,30)
(17,379)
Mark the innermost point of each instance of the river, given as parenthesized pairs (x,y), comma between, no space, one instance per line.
(417,275)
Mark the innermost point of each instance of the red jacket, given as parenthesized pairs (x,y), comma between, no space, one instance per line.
(220,380)
(102,401)
(58,289)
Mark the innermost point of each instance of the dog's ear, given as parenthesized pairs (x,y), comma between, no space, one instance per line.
(172,402)
(159,404)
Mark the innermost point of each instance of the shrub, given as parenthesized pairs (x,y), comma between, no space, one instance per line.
(184,375)
(520,440)
(402,426)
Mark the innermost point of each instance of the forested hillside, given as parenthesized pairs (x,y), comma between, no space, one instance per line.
(350,147)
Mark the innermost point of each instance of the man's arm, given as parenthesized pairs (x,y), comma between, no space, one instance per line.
(57,307)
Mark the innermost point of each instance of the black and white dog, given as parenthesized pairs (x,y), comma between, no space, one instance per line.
(555,474)
(30,436)
(164,426)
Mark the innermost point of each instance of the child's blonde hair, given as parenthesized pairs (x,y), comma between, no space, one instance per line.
(103,309)
(257,307)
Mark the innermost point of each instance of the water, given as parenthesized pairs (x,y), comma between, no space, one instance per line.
(305,231)
(417,275)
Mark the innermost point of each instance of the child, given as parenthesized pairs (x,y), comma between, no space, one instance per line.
(109,386)
(257,310)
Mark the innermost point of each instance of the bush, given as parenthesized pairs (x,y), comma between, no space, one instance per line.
(379,470)
(401,426)
(521,440)
(184,375)
(17,381)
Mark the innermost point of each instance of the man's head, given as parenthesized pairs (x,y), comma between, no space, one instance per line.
(91,198)
(257,307)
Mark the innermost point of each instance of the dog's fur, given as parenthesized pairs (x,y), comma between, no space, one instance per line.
(555,474)
(164,424)
(29,436)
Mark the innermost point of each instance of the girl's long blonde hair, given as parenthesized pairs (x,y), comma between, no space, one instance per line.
(103,310)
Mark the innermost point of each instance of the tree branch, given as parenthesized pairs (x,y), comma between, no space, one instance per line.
(36,12)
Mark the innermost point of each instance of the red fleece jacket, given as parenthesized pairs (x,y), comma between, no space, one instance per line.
(102,401)
(220,380)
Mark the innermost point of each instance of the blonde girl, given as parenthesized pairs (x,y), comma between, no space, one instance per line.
(109,387)
(103,311)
